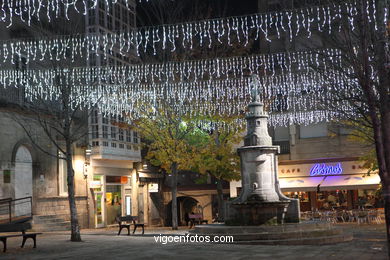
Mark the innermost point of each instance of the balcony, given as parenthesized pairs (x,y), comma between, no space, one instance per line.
(115,150)
(284,146)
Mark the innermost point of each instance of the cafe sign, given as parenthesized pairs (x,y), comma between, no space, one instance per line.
(321,169)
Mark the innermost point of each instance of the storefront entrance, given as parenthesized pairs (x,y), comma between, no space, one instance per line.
(113,202)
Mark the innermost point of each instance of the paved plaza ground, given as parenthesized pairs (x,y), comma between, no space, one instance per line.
(369,243)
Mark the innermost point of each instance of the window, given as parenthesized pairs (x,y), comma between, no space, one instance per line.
(124,15)
(94,117)
(128,147)
(91,17)
(102,5)
(101,18)
(117,25)
(113,132)
(105,132)
(313,130)
(117,11)
(113,145)
(135,137)
(281,134)
(95,131)
(132,19)
(121,146)
(120,134)
(105,143)
(95,143)
(109,22)
(62,175)
(105,120)
(128,136)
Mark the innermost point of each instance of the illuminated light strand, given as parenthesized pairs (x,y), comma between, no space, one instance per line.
(221,68)
(207,33)
(27,10)
(290,97)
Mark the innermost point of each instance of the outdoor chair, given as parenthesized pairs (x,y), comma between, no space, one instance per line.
(373,216)
(362,216)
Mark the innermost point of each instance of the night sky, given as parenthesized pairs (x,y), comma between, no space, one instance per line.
(176,11)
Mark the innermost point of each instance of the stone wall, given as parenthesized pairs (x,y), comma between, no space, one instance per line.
(59,206)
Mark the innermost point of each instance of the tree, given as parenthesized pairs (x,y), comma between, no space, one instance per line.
(217,157)
(365,67)
(167,134)
(57,110)
(63,123)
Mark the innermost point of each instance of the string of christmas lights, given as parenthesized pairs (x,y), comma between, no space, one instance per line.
(204,34)
(185,71)
(28,10)
(288,96)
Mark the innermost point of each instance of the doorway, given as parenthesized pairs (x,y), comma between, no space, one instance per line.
(113,202)
(23,180)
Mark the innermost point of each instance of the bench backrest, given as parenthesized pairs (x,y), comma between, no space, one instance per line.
(127,218)
(195,216)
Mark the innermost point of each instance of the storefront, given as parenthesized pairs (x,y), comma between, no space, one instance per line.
(111,189)
(329,183)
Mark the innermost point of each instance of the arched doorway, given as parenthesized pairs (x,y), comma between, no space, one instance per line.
(185,205)
(23,178)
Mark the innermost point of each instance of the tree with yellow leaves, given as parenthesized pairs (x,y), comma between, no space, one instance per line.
(167,134)
(217,157)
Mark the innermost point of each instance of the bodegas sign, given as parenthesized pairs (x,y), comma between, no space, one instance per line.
(324,169)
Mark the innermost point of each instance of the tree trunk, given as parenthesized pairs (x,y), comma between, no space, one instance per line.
(75,228)
(221,211)
(174,196)
(74,222)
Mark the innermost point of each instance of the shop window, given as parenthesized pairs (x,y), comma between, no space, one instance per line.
(314,130)
(62,175)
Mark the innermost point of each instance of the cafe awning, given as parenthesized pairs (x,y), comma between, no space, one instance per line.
(300,184)
(350,182)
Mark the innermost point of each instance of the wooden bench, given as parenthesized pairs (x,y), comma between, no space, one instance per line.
(197,218)
(33,236)
(127,219)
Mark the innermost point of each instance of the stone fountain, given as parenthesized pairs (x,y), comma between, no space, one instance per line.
(261,200)
(262,214)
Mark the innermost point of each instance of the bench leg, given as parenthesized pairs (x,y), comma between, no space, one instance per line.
(24,241)
(35,241)
(4,240)
(33,237)
(143,230)
(122,227)
(135,228)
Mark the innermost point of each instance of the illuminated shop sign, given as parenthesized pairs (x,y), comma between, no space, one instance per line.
(323,169)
